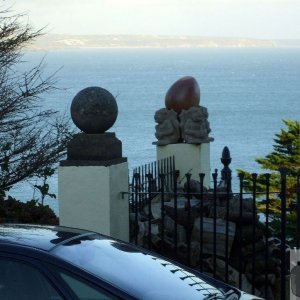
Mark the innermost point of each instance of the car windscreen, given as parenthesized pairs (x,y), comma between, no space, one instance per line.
(139,273)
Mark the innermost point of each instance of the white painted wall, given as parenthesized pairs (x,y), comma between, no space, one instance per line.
(190,158)
(90,198)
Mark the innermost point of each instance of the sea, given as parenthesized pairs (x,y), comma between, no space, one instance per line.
(248,92)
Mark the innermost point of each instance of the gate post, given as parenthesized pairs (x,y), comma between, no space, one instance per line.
(183,129)
(189,158)
(91,179)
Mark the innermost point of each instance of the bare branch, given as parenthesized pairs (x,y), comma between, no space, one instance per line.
(30,138)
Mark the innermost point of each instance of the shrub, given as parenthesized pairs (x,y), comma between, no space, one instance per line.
(15,211)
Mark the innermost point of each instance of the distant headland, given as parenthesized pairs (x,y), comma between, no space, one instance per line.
(65,41)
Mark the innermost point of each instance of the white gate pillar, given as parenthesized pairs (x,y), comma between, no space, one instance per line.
(91,180)
(189,158)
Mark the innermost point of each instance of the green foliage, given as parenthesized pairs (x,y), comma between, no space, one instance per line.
(290,224)
(286,152)
(285,156)
(43,188)
(14,211)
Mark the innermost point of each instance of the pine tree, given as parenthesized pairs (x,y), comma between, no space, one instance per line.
(286,152)
(285,155)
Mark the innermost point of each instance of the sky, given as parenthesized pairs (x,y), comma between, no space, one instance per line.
(273,19)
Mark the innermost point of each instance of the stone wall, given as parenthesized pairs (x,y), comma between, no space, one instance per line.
(186,233)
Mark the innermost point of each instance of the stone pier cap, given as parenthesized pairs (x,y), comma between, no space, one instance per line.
(94,110)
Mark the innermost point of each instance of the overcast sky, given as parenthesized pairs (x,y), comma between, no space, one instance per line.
(218,18)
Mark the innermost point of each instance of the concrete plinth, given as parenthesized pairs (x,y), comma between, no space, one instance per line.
(190,158)
(90,197)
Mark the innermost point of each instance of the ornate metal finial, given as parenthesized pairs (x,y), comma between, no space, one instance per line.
(226,171)
(226,159)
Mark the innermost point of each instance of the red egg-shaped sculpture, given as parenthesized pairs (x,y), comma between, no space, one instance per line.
(183,94)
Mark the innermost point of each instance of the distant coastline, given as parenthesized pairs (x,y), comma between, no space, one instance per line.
(64,41)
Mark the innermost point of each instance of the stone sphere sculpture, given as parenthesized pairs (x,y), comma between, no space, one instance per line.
(94,110)
(183,94)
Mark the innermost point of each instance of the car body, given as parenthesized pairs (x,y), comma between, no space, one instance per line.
(55,263)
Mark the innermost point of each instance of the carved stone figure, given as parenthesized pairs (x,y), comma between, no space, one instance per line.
(194,125)
(167,129)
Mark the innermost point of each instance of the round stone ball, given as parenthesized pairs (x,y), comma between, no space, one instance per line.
(94,110)
(183,94)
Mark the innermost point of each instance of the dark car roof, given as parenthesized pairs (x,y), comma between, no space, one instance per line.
(119,264)
(38,236)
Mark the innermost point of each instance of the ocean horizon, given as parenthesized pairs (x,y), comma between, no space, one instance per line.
(247,92)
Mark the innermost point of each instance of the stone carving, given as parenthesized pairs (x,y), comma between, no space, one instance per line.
(167,129)
(195,126)
(183,119)
(94,110)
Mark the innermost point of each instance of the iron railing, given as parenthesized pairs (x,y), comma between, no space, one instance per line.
(233,236)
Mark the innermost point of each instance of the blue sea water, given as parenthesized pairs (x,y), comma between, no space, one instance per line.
(247,92)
